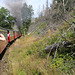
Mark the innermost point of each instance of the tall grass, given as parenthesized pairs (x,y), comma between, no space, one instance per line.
(27,56)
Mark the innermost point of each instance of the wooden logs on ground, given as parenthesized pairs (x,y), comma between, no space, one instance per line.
(54,46)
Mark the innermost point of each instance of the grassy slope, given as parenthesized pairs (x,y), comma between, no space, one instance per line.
(26,57)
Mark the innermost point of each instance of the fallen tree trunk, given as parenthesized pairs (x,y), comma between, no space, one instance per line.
(54,46)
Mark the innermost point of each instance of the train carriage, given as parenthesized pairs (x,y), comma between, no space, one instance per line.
(10,35)
(3,43)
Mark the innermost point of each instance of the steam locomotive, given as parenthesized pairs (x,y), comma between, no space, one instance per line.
(10,36)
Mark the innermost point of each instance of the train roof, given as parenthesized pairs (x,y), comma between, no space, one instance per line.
(1,28)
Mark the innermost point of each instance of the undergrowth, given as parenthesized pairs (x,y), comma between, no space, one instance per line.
(27,55)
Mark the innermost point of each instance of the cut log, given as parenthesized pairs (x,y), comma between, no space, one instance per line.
(54,46)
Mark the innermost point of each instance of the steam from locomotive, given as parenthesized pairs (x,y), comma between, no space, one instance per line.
(15,7)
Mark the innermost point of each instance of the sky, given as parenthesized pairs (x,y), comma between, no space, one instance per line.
(36,4)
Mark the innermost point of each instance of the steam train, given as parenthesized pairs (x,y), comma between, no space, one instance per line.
(10,36)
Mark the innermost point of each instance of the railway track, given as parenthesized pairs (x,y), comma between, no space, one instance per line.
(10,36)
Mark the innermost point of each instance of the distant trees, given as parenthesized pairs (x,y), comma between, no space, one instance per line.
(25,26)
(6,20)
(27,13)
(54,14)
(65,4)
(58,10)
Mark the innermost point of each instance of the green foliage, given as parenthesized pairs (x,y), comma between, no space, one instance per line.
(42,53)
(65,54)
(57,63)
(36,72)
(53,39)
(25,26)
(21,72)
(74,12)
(65,2)
(42,25)
(27,12)
(29,52)
(6,20)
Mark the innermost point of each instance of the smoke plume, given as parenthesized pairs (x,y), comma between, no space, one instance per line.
(15,7)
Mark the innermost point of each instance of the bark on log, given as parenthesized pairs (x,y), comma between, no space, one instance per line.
(54,46)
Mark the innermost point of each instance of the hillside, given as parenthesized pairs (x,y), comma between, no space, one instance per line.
(49,46)
(52,18)
(27,55)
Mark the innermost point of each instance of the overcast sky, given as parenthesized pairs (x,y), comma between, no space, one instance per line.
(37,5)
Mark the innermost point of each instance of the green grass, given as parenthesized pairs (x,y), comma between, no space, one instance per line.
(42,25)
(27,55)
